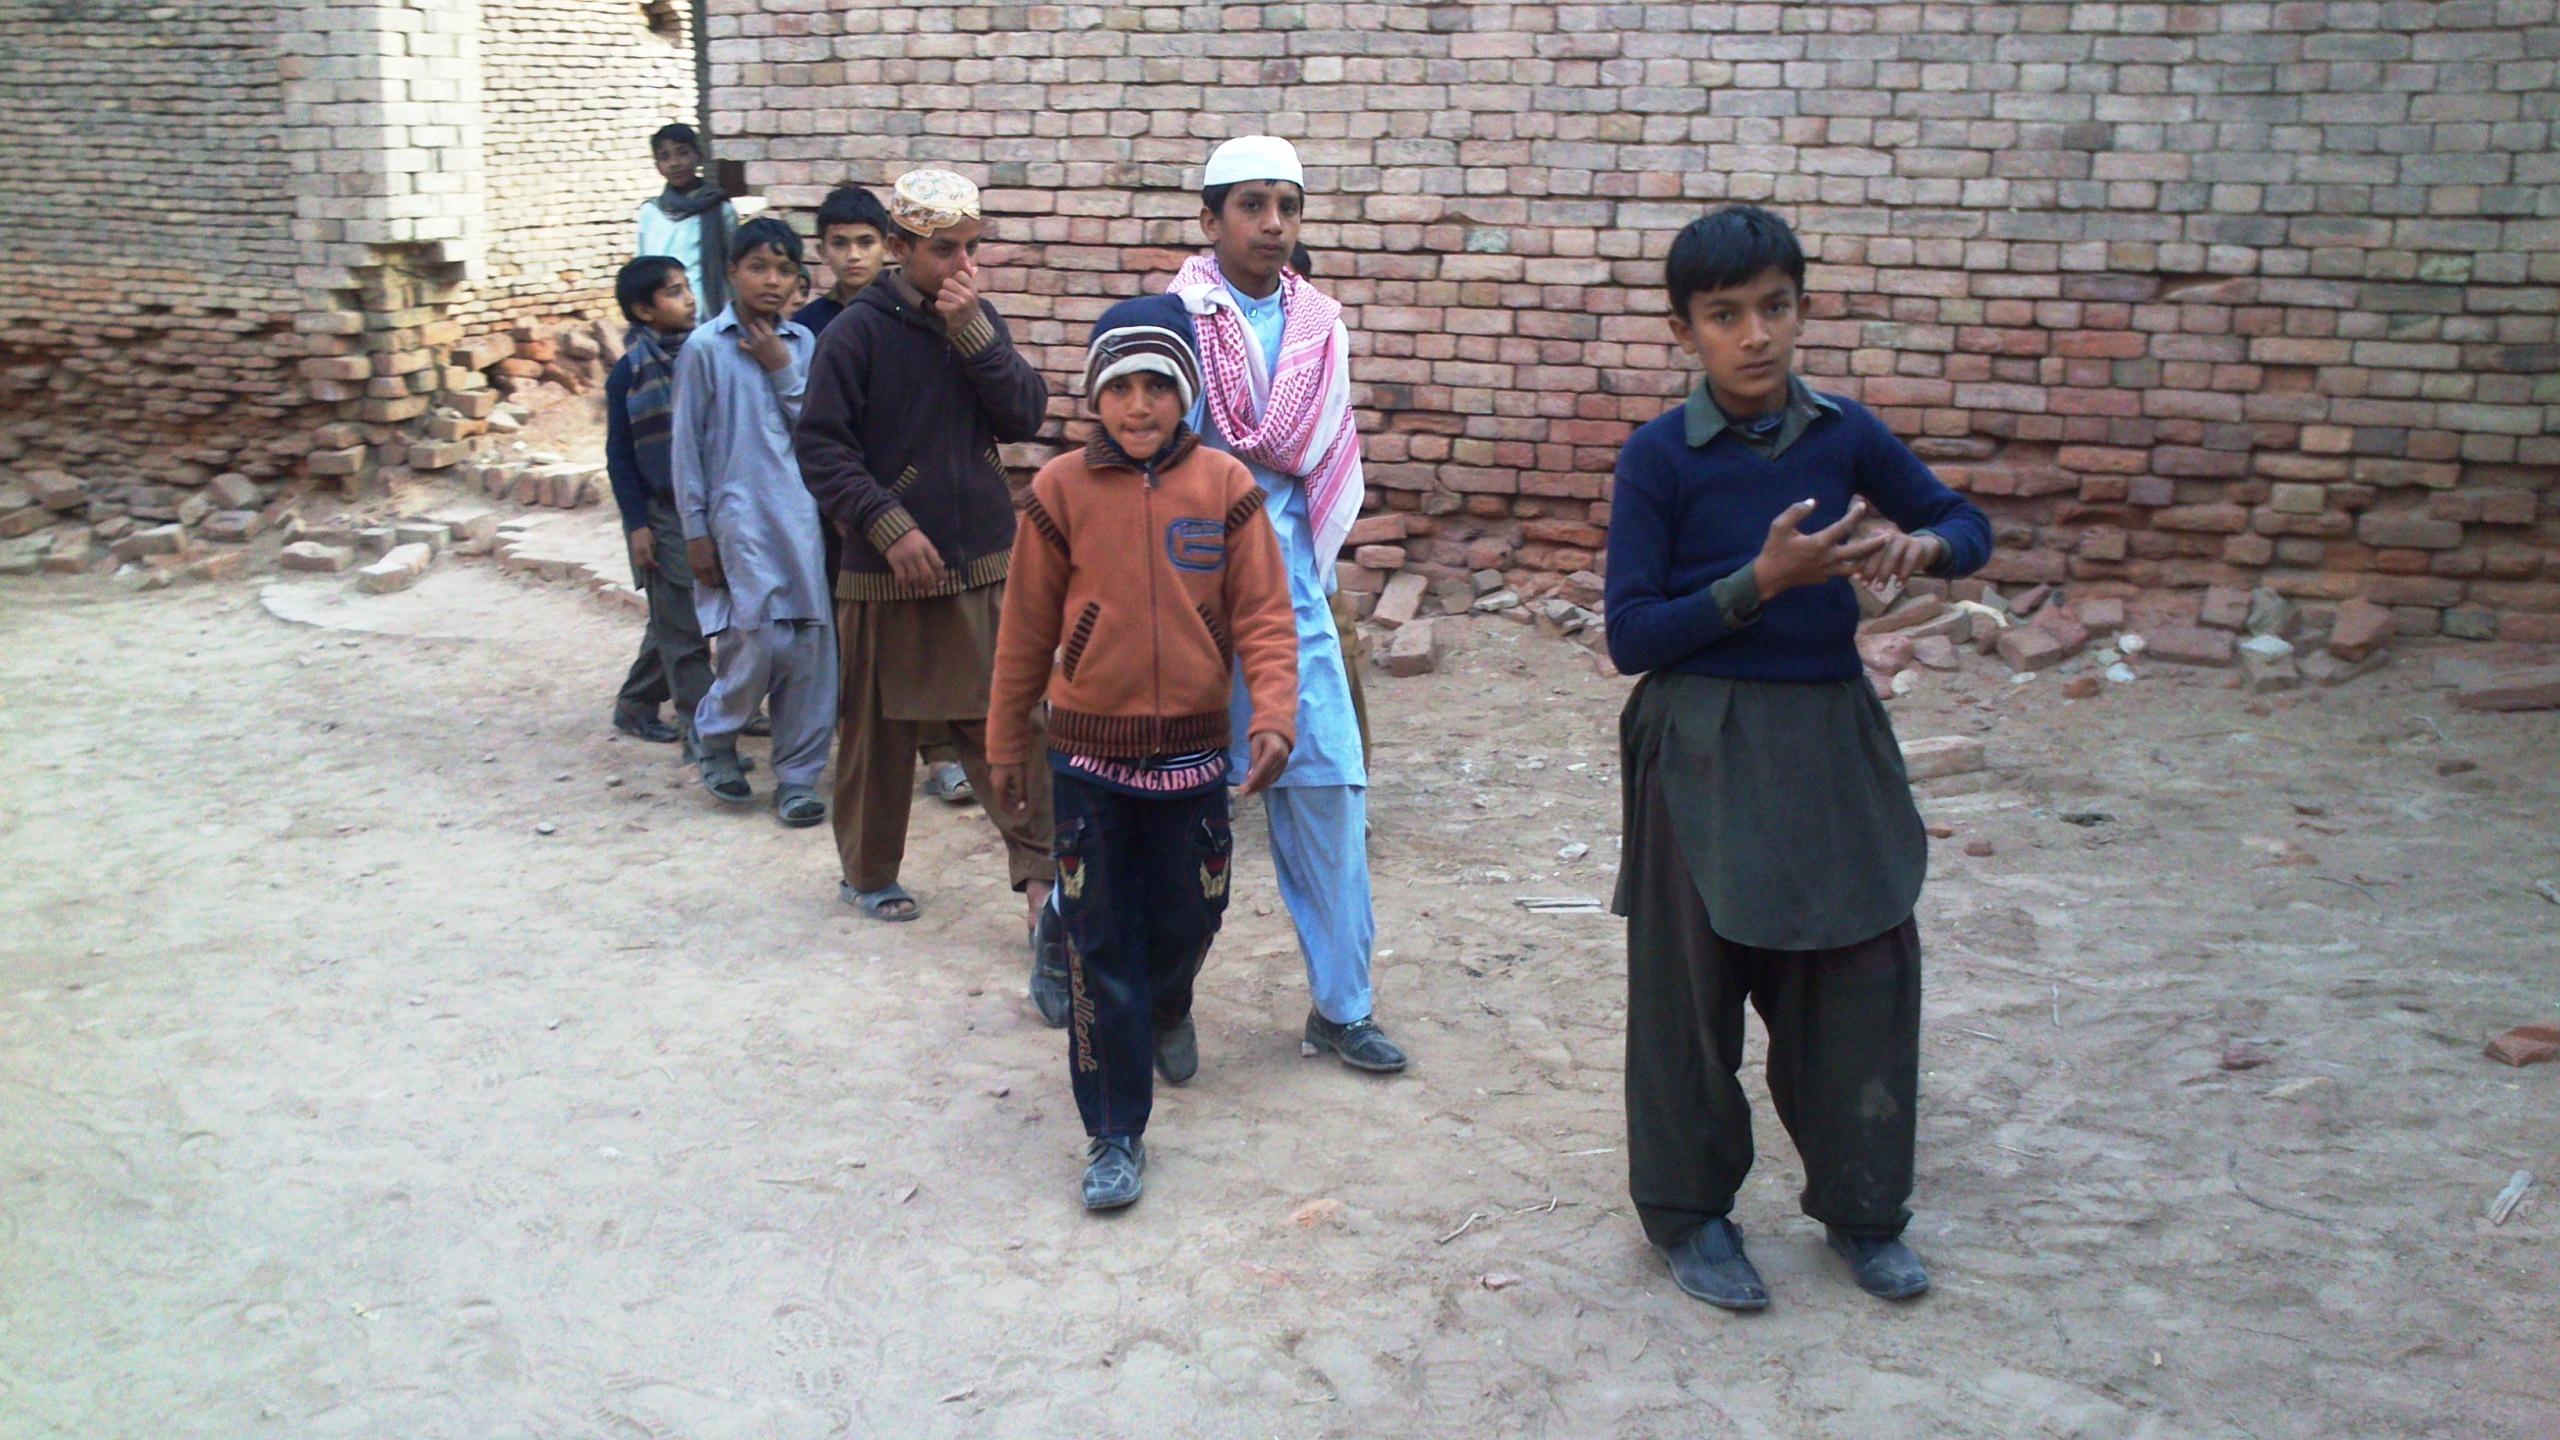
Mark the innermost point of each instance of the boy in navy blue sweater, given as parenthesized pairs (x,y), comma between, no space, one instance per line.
(1773,854)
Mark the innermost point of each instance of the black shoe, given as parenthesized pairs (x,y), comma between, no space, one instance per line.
(1178,1053)
(646,727)
(1886,1268)
(1708,1264)
(1049,994)
(1114,1172)
(1360,1044)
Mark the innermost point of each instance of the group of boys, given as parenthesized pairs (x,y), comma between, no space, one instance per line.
(819,513)
(1159,631)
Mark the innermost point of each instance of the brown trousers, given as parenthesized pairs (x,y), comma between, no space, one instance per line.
(875,784)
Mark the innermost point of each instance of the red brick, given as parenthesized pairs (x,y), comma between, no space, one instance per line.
(2534,689)
(2360,628)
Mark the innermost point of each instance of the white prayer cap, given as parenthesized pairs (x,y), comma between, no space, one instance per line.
(1253,157)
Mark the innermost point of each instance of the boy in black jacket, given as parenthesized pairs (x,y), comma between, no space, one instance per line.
(912,389)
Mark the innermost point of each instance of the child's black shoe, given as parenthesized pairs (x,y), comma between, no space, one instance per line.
(1049,967)
(1360,1044)
(1178,1052)
(1886,1268)
(1115,1172)
(1709,1265)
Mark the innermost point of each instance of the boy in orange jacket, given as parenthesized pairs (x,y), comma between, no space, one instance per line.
(1145,572)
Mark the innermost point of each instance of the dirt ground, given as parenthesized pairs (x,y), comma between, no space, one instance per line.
(338,1098)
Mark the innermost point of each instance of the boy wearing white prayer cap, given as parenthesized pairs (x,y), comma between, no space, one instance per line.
(1276,394)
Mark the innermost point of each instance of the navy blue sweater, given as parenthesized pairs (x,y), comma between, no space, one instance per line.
(1681,519)
(632,487)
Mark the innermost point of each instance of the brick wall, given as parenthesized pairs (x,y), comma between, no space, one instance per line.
(571,93)
(2185,294)
(257,231)
(148,268)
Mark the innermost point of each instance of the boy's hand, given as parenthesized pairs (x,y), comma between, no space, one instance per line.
(916,563)
(763,344)
(1270,756)
(705,557)
(1793,556)
(1900,557)
(644,549)
(957,301)
(1010,794)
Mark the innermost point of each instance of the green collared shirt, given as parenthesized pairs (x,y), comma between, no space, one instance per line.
(1702,419)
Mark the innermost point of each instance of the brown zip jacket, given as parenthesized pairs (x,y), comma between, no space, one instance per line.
(1135,591)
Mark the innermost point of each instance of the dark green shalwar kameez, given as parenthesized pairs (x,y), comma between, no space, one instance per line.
(1773,855)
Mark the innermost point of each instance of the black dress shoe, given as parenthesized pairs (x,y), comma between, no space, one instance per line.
(1360,1044)
(646,727)
(1178,1053)
(1709,1265)
(1886,1268)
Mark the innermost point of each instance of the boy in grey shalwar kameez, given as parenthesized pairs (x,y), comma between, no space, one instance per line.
(753,534)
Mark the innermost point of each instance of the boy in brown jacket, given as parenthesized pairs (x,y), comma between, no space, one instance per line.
(1146,570)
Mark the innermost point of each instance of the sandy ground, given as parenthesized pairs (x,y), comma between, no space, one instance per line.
(337,1099)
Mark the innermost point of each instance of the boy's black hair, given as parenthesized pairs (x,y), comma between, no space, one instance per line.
(676,135)
(853,205)
(639,282)
(765,232)
(1213,198)
(1727,247)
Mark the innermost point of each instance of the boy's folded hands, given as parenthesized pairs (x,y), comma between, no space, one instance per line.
(1793,556)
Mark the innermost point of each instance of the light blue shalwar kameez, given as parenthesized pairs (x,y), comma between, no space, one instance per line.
(1319,808)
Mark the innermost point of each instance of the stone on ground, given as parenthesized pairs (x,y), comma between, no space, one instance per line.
(314,556)
(1941,755)
(397,570)
(1401,601)
(2534,689)
(1415,650)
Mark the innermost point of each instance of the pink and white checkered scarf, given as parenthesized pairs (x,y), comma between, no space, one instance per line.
(1298,422)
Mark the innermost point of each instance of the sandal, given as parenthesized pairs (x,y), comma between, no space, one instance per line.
(725,778)
(876,903)
(949,783)
(798,806)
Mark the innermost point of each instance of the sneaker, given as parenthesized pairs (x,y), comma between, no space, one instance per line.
(1708,1264)
(1886,1268)
(1178,1053)
(1049,994)
(1114,1172)
(949,783)
(1360,1044)
(646,727)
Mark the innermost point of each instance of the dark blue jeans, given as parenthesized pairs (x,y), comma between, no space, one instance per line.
(1142,883)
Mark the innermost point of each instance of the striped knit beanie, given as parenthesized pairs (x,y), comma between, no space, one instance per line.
(1134,348)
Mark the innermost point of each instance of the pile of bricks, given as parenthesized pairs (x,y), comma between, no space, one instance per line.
(271,229)
(2253,295)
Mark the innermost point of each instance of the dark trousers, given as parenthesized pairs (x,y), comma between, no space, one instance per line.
(674,661)
(1844,1058)
(1142,884)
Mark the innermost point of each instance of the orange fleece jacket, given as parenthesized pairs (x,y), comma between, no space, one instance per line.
(1134,592)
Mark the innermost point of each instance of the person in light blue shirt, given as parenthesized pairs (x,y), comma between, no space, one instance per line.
(752,533)
(1276,394)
